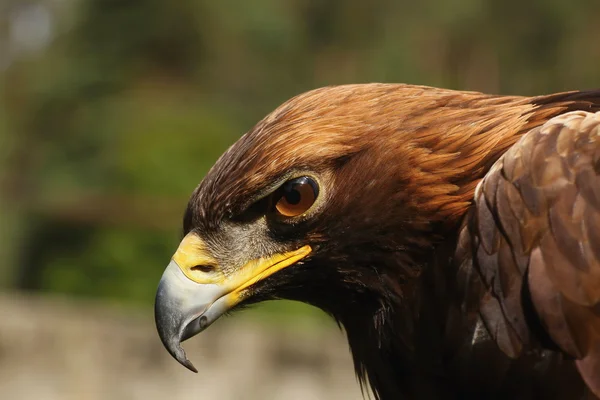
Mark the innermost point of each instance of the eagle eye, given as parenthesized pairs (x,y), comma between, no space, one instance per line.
(296,196)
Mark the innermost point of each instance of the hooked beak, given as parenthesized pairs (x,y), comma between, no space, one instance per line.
(188,300)
(184,308)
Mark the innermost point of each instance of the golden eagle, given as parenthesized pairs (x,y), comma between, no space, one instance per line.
(454,235)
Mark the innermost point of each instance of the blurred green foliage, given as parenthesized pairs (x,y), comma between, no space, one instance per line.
(111,123)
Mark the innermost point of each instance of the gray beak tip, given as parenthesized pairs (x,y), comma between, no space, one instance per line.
(186,363)
(190,366)
(178,354)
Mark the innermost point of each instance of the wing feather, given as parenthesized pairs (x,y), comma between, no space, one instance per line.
(536,231)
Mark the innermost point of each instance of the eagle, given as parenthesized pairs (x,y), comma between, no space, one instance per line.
(454,236)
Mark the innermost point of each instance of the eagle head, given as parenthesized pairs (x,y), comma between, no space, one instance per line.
(335,199)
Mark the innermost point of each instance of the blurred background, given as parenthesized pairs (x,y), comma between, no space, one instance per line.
(113,110)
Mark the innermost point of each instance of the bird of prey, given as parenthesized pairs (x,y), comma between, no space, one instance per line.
(455,236)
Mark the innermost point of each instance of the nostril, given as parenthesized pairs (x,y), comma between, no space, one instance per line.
(203,268)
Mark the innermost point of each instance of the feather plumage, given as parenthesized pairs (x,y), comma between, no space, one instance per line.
(458,243)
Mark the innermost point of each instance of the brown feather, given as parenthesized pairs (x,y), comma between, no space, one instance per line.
(551,172)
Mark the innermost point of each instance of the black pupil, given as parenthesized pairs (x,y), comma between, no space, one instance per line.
(292,196)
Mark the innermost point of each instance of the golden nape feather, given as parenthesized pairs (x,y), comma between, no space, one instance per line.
(454,235)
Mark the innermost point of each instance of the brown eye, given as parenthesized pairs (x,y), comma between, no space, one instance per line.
(296,196)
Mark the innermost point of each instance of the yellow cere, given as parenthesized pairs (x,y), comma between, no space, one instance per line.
(192,251)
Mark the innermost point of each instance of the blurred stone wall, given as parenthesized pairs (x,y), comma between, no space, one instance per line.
(53,349)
